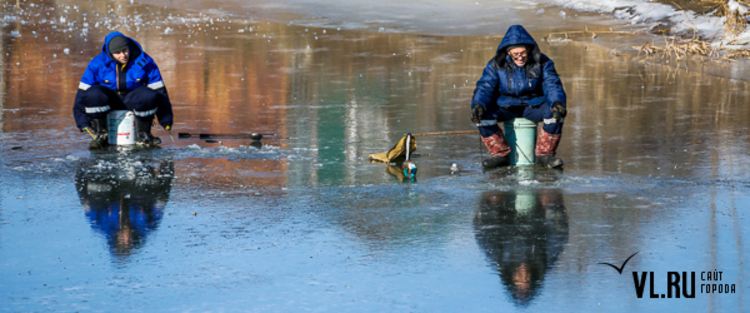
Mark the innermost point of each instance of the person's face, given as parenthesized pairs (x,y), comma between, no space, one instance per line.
(122,56)
(519,55)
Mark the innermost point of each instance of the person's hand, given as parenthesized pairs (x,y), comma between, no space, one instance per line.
(558,111)
(476,114)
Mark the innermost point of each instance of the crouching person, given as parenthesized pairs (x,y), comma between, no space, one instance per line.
(519,81)
(122,77)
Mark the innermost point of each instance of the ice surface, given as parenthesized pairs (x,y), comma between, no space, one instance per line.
(309,222)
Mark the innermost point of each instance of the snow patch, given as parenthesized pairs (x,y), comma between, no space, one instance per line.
(708,27)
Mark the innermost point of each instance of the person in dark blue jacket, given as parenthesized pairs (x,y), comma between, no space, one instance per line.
(122,77)
(519,81)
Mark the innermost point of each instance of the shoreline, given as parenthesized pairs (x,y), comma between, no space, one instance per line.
(621,40)
(571,21)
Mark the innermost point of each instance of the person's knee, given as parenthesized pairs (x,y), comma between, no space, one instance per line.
(145,94)
(487,131)
(96,95)
(539,114)
(143,101)
(552,128)
(96,101)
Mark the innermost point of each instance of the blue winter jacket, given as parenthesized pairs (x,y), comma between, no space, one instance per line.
(141,70)
(505,84)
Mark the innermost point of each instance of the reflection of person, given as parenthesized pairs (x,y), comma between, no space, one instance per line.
(122,77)
(522,234)
(519,81)
(124,204)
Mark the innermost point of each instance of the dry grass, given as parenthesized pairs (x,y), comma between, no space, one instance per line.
(736,22)
(679,49)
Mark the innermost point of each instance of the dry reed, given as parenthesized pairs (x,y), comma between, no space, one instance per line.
(682,48)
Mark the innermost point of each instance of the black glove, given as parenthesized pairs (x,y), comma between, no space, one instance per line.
(476,114)
(559,111)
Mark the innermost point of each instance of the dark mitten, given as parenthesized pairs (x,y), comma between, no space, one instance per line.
(476,114)
(559,111)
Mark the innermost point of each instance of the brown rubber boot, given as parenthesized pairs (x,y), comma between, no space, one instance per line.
(546,146)
(499,149)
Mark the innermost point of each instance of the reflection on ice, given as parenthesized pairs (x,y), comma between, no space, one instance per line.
(124,200)
(522,233)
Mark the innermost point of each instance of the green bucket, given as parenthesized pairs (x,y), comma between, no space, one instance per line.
(521,136)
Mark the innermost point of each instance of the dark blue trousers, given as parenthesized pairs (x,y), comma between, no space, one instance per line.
(99,100)
(495,114)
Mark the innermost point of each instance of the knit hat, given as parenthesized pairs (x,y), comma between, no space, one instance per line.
(516,46)
(118,44)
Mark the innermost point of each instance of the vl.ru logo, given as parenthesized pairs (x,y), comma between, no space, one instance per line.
(678,283)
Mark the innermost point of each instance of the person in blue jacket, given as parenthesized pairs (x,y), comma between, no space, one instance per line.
(519,81)
(122,77)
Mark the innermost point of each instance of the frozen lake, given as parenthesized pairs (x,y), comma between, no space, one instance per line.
(656,163)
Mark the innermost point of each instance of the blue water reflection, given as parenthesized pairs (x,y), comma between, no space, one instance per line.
(522,233)
(124,200)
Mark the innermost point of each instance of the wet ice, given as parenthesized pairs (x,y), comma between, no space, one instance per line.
(335,231)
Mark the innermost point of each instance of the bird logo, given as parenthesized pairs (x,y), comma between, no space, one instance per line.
(619,269)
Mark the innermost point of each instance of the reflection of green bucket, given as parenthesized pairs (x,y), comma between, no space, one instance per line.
(526,201)
(521,136)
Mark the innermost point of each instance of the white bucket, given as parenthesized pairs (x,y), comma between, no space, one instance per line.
(121,126)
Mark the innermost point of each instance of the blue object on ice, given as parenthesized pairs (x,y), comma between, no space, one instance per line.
(410,169)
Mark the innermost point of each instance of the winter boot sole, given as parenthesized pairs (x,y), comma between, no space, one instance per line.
(548,161)
(496,161)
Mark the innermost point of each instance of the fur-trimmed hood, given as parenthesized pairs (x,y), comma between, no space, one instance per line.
(517,35)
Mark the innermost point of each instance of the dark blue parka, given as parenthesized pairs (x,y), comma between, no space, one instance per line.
(505,84)
(141,70)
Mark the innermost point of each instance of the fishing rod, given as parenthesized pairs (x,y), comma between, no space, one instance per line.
(253,136)
(450,132)
(169,129)
(92,136)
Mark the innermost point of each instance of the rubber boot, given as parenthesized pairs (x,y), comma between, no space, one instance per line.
(546,146)
(143,133)
(98,128)
(498,148)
